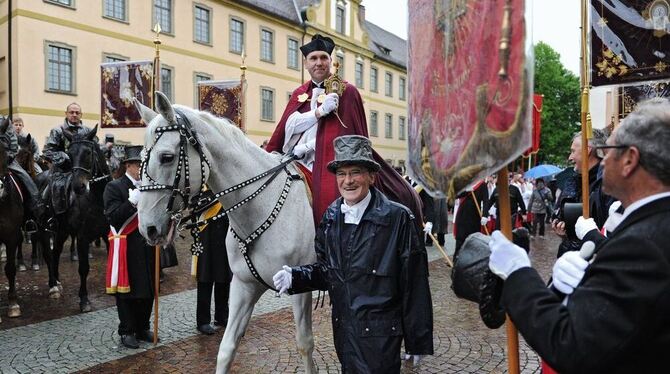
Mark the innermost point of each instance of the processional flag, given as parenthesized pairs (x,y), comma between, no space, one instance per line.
(470,90)
(223,98)
(630,41)
(630,96)
(120,82)
(537,126)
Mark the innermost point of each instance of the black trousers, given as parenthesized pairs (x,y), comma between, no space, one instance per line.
(134,314)
(538,219)
(204,302)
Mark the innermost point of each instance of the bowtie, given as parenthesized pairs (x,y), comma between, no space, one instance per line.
(349,210)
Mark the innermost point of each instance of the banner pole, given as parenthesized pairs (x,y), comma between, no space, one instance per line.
(586,129)
(157,249)
(505,217)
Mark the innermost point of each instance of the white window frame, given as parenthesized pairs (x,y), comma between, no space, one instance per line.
(374,124)
(263,30)
(210,17)
(125,12)
(272,109)
(154,20)
(73,67)
(230,35)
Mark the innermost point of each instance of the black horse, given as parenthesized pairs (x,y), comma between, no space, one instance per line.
(11,206)
(83,216)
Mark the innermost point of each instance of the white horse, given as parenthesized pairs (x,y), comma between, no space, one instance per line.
(233,159)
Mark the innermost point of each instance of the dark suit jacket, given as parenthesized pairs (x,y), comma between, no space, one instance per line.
(618,319)
(140,256)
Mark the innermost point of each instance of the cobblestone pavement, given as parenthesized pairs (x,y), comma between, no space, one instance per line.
(67,341)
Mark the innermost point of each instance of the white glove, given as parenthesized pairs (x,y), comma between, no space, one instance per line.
(583,226)
(484,221)
(330,103)
(283,279)
(416,359)
(428,227)
(614,218)
(568,271)
(506,257)
(300,149)
(492,211)
(134,196)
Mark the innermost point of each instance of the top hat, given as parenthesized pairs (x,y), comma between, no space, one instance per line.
(353,150)
(318,43)
(133,153)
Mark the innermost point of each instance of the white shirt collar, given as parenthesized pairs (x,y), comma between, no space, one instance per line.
(137,183)
(354,213)
(638,204)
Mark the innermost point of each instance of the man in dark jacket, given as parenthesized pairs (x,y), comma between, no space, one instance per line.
(56,141)
(374,266)
(617,318)
(131,281)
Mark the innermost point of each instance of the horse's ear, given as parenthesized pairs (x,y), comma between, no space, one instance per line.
(92,133)
(68,135)
(164,107)
(4,124)
(145,112)
(29,138)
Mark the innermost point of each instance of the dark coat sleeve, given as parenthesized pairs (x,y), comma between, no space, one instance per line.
(117,207)
(313,277)
(417,305)
(609,316)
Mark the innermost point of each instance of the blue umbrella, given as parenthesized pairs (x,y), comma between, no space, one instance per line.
(541,171)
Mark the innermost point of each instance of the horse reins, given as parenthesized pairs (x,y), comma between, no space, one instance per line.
(200,202)
(95,165)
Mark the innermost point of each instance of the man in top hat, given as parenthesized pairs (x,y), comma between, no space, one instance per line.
(378,287)
(310,123)
(130,263)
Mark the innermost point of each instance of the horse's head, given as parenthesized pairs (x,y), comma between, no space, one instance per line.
(83,152)
(173,168)
(25,156)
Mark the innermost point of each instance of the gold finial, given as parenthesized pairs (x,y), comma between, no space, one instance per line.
(243,67)
(157,29)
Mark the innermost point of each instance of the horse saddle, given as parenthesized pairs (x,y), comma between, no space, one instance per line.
(59,190)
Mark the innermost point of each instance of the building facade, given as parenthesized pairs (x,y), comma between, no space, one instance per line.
(57,47)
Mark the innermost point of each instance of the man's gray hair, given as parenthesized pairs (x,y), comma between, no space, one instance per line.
(599,138)
(648,129)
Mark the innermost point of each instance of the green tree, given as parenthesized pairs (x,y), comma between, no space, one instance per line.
(561,106)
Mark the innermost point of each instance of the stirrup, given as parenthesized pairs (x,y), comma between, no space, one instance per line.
(31,226)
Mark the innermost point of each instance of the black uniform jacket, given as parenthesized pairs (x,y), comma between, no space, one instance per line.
(378,285)
(140,256)
(618,319)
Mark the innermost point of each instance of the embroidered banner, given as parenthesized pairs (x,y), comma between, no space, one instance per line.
(223,99)
(120,82)
(630,96)
(629,41)
(470,85)
(537,125)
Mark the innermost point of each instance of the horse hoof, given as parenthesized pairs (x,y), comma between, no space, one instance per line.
(60,286)
(54,292)
(85,307)
(22,267)
(74,257)
(14,311)
(36,267)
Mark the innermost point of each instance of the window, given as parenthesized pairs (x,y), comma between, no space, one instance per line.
(293,57)
(166,81)
(113,58)
(359,74)
(340,60)
(163,15)
(68,3)
(267,104)
(340,19)
(199,77)
(115,9)
(401,128)
(60,68)
(388,84)
(267,45)
(236,36)
(401,88)
(201,24)
(373,123)
(373,79)
(388,125)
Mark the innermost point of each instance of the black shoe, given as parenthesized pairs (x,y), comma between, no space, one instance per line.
(221,323)
(146,336)
(129,341)
(206,329)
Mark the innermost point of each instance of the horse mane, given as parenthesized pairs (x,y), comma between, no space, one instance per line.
(25,158)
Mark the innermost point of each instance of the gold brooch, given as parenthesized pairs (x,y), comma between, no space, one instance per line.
(302,98)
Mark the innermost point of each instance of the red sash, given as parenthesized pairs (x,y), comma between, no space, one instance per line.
(116,279)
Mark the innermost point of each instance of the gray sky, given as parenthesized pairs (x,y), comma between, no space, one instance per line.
(554,22)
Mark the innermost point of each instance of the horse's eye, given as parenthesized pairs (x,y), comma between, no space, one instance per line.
(166,158)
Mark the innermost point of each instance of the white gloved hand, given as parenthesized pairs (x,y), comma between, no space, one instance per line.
(134,196)
(283,279)
(484,221)
(416,359)
(300,149)
(614,218)
(492,211)
(428,227)
(506,257)
(568,271)
(330,103)
(583,226)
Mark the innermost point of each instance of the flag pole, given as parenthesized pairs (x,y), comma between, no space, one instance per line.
(585,116)
(157,249)
(243,94)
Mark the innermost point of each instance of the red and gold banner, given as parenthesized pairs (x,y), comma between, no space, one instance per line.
(120,82)
(223,99)
(537,125)
(470,84)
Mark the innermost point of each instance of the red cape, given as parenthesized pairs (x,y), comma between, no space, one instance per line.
(352,113)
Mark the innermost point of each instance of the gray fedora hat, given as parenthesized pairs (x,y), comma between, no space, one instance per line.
(133,153)
(353,150)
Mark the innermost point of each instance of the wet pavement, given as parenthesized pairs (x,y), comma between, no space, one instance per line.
(52,336)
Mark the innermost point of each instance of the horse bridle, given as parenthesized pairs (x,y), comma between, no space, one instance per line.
(200,201)
(94,160)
